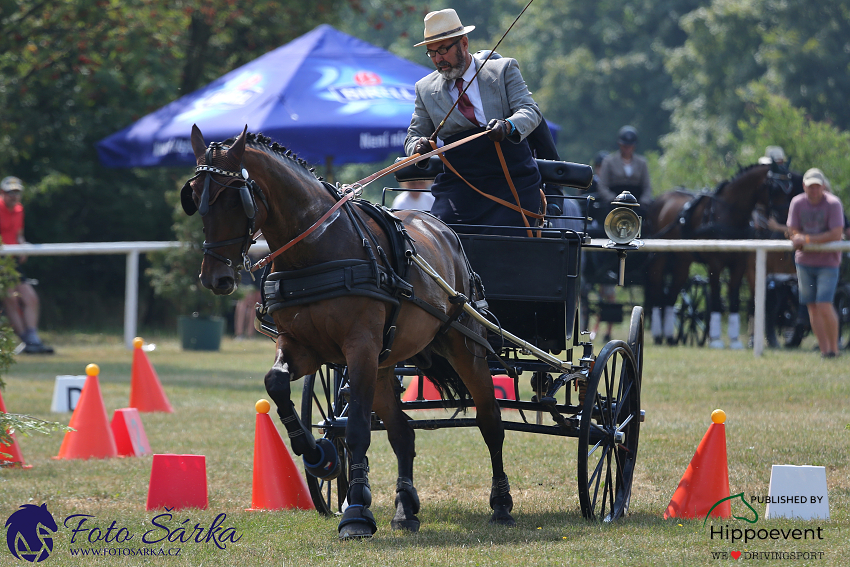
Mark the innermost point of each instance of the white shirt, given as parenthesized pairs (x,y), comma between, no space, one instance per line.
(420,201)
(472,92)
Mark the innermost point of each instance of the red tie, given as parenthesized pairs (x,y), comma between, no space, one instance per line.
(464,105)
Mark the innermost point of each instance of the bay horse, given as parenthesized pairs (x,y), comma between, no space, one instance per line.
(724,214)
(248,184)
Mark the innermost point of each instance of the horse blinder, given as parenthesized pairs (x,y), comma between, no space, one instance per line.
(187,200)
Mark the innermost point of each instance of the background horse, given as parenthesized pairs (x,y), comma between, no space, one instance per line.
(280,196)
(724,214)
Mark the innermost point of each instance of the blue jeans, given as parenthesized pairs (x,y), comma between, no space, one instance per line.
(816,285)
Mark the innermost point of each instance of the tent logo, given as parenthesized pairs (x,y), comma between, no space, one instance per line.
(367,78)
(30,532)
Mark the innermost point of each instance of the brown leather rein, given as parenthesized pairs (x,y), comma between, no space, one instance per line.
(356,188)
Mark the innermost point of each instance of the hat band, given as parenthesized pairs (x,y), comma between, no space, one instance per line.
(444,34)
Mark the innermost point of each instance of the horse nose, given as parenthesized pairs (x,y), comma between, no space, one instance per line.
(224,285)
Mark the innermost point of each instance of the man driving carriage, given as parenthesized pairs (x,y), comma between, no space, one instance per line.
(497,98)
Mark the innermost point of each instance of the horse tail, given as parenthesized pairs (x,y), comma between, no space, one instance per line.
(446,379)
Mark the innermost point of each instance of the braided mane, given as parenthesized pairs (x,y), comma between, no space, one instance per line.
(741,171)
(265,144)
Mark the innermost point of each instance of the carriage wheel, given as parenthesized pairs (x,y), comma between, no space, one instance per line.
(693,313)
(842,308)
(636,338)
(321,401)
(608,434)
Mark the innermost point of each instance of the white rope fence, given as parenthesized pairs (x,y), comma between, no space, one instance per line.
(133,249)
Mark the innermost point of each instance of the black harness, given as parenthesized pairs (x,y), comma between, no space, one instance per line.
(247,187)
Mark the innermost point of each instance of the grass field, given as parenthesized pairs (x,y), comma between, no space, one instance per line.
(784,408)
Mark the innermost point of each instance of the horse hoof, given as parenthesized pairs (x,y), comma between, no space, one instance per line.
(717,343)
(671,341)
(736,345)
(408,524)
(658,340)
(502,517)
(357,522)
(355,531)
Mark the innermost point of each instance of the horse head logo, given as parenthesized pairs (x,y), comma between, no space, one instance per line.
(740,496)
(30,533)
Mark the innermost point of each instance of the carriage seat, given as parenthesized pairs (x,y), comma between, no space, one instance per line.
(564,173)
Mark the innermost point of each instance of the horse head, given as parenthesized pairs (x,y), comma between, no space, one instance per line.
(782,185)
(228,202)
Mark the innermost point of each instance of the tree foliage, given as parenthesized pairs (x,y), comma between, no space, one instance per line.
(705,82)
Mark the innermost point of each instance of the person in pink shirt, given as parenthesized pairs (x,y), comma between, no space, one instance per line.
(815,217)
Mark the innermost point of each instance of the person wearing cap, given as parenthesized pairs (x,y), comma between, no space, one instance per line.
(815,217)
(21,303)
(497,100)
(624,170)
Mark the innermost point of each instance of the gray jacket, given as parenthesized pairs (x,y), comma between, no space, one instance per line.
(504,94)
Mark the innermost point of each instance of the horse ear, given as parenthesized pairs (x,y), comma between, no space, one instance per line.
(199,146)
(238,148)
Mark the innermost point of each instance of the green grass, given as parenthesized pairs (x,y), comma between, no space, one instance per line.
(788,407)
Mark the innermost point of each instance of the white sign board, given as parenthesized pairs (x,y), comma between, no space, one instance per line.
(797,492)
(66,393)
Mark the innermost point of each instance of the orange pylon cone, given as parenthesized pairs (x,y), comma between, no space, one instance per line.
(15,459)
(278,484)
(429,391)
(93,435)
(706,480)
(146,393)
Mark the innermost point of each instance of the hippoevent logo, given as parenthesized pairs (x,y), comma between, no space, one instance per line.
(30,532)
(31,528)
(744,535)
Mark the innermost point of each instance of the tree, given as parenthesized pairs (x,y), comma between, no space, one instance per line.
(74,72)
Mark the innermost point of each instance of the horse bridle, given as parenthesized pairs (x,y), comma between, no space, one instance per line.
(247,189)
(778,180)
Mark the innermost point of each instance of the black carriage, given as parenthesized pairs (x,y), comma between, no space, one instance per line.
(532,289)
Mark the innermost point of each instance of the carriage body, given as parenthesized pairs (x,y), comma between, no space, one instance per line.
(532,288)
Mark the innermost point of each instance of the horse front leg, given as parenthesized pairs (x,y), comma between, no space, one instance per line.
(357,520)
(715,303)
(402,438)
(320,459)
(736,278)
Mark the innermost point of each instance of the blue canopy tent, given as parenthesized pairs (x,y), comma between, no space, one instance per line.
(330,97)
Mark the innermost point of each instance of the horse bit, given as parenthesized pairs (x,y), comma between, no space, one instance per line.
(247,189)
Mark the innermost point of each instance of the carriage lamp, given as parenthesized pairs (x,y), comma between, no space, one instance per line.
(622,225)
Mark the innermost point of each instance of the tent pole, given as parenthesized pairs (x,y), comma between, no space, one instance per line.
(329,169)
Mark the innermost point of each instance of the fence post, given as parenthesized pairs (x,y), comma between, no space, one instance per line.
(761,289)
(131,298)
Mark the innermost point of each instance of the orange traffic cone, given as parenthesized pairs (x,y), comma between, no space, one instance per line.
(93,435)
(278,484)
(146,393)
(706,480)
(429,391)
(15,459)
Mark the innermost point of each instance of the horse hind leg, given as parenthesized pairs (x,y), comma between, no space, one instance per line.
(475,372)
(402,438)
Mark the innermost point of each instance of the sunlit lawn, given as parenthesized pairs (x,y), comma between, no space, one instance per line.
(788,407)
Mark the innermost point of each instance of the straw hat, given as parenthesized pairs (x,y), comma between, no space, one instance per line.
(443,24)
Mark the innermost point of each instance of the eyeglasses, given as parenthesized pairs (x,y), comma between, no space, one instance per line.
(441,50)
